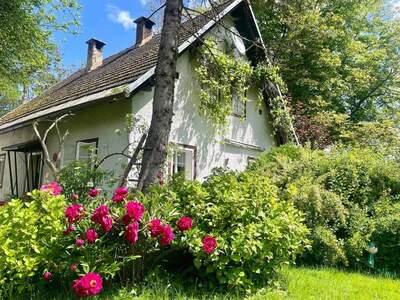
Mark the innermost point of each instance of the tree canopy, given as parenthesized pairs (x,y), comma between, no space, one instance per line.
(27,50)
(340,56)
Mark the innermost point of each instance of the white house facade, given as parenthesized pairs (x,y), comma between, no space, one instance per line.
(99,115)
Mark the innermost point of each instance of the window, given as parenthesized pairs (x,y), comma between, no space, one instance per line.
(2,164)
(238,106)
(85,149)
(183,161)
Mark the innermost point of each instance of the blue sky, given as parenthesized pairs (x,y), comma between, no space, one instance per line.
(107,20)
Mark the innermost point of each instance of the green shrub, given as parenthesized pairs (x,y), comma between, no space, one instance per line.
(256,232)
(29,238)
(339,192)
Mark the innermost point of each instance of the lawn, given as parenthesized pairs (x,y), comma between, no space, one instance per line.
(302,283)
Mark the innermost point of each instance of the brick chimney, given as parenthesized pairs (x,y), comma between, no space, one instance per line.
(95,54)
(144,31)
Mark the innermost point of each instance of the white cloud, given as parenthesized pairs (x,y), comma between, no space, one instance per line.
(122,17)
(143,2)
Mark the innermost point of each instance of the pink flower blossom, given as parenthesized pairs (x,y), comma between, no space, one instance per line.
(74,213)
(156,228)
(53,188)
(185,223)
(47,276)
(132,233)
(91,235)
(135,210)
(209,244)
(106,223)
(126,219)
(119,194)
(80,242)
(87,285)
(99,213)
(69,229)
(94,192)
(167,235)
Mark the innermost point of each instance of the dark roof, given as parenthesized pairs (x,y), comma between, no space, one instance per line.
(116,70)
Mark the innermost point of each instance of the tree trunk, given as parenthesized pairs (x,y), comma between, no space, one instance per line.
(155,150)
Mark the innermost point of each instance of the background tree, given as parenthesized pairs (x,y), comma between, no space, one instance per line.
(335,55)
(27,50)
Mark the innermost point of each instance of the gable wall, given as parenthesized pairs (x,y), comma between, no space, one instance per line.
(189,128)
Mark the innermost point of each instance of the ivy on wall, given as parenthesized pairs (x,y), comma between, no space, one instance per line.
(222,76)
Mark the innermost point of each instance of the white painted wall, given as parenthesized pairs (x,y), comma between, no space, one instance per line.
(190,128)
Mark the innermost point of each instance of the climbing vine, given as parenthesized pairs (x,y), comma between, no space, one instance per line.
(222,76)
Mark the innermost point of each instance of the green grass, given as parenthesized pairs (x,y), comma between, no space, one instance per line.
(302,283)
(333,284)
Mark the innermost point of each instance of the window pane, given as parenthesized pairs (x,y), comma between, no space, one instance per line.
(183,162)
(85,150)
(238,106)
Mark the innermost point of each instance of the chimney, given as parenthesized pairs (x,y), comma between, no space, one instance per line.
(144,31)
(95,54)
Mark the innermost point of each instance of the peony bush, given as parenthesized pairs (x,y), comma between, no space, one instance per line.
(233,226)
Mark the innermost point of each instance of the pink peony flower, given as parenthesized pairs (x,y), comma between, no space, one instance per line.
(94,193)
(91,235)
(106,223)
(209,244)
(132,233)
(53,188)
(74,213)
(119,194)
(167,235)
(47,276)
(135,210)
(80,242)
(126,219)
(99,213)
(87,285)
(69,229)
(156,228)
(185,223)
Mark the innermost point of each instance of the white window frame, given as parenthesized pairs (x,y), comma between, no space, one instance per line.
(82,143)
(2,167)
(189,160)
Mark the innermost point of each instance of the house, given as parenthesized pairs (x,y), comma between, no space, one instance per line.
(102,94)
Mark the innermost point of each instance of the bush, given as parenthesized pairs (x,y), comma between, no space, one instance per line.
(255,231)
(29,237)
(349,197)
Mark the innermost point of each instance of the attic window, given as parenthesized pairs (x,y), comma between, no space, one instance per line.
(2,164)
(86,149)
(238,106)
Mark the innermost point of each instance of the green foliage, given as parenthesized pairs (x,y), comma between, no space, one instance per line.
(256,233)
(78,177)
(29,237)
(221,77)
(349,198)
(335,55)
(27,49)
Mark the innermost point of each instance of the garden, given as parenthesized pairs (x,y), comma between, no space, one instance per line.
(246,233)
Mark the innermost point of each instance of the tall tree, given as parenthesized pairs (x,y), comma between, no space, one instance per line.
(26,45)
(335,55)
(155,150)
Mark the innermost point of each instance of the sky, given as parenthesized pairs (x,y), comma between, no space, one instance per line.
(110,21)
